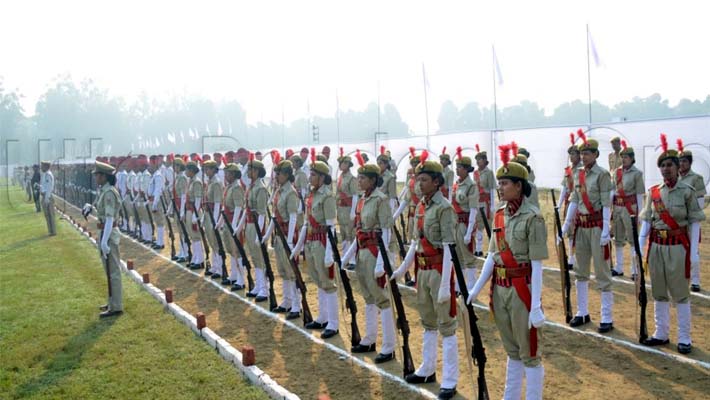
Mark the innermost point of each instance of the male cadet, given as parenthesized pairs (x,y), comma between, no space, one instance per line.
(697,182)
(218,158)
(445,161)
(615,156)
(304,158)
(628,200)
(36,178)
(590,211)
(155,191)
(121,182)
(531,173)
(242,158)
(142,182)
(46,188)
(486,182)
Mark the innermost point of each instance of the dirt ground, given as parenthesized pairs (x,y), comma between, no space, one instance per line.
(576,365)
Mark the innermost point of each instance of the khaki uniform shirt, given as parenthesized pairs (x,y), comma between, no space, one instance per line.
(195,190)
(108,204)
(680,201)
(376,212)
(214,190)
(531,175)
(181,183)
(448,176)
(288,203)
(696,181)
(525,233)
(614,161)
(439,222)
(301,181)
(487,180)
(347,185)
(323,205)
(389,185)
(234,196)
(257,197)
(465,194)
(598,185)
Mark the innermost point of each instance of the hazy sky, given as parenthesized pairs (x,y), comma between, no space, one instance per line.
(274,54)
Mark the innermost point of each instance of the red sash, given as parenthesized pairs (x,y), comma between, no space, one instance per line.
(460,211)
(620,189)
(314,225)
(412,192)
(583,191)
(672,224)
(483,196)
(519,283)
(430,250)
(569,176)
(343,199)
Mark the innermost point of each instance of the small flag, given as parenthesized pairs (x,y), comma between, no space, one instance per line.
(498,74)
(593,49)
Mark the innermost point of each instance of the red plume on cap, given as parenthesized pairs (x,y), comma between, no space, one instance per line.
(571,138)
(423,157)
(443,151)
(251,157)
(582,136)
(275,156)
(459,152)
(171,157)
(412,153)
(198,159)
(358,156)
(514,147)
(679,142)
(382,149)
(342,152)
(505,153)
(289,153)
(623,144)
(313,155)
(478,148)
(184,158)
(664,142)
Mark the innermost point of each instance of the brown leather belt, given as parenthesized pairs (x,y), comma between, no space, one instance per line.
(592,220)
(669,237)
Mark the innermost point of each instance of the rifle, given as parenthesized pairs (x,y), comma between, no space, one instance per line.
(640,282)
(104,259)
(267,262)
(202,235)
(402,323)
(484,218)
(150,218)
(562,261)
(478,352)
(307,317)
(349,299)
(242,253)
(137,222)
(400,242)
(183,229)
(220,246)
(125,211)
(171,235)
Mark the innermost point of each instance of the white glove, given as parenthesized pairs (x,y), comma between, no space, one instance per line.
(536,318)
(408,259)
(350,252)
(605,237)
(469,229)
(242,222)
(328,259)
(106,235)
(86,210)
(571,214)
(105,249)
(220,223)
(379,266)
(301,241)
(399,210)
(694,243)
(194,218)
(444,294)
(154,207)
(269,231)
(354,206)
(486,273)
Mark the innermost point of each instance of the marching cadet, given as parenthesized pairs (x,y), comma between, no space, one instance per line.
(320,216)
(567,183)
(304,157)
(257,198)
(324,157)
(522,160)
(514,262)
(121,185)
(155,190)
(143,183)
(192,202)
(465,203)
(389,189)
(233,206)
(615,155)
(46,190)
(445,161)
(373,216)
(409,198)
(218,158)
(697,182)
(242,161)
(671,221)
(212,204)
(180,195)
(301,185)
(131,190)
(486,182)
(590,212)
(434,226)
(107,206)
(628,198)
(346,200)
(285,203)
(531,174)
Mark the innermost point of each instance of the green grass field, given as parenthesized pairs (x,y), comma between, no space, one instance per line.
(54,346)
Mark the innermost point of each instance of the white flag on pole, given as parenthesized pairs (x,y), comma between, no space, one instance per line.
(499,75)
(593,49)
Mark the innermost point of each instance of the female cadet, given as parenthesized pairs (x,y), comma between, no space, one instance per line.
(193,201)
(671,221)
(389,189)
(285,204)
(320,217)
(515,254)
(233,206)
(465,202)
(347,195)
(373,217)
(434,227)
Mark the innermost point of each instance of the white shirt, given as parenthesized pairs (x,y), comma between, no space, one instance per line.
(46,183)
(121,178)
(169,174)
(245,179)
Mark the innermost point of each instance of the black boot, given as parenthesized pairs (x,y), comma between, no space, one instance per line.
(579,321)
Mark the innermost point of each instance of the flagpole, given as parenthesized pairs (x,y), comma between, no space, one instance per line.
(283,129)
(495,100)
(337,115)
(589,80)
(426,106)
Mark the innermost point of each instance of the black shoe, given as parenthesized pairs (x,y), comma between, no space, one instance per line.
(107,313)
(208,273)
(633,277)
(410,283)
(579,321)
(161,247)
(383,358)
(261,299)
(194,266)
(250,294)
(685,348)
(216,276)
(236,288)
(695,288)
(605,327)
(180,260)
(174,258)
(225,282)
(614,273)
(361,348)
(328,333)
(478,254)
(316,325)
(293,315)
(446,394)
(652,341)
(103,307)
(414,378)
(279,310)
(350,267)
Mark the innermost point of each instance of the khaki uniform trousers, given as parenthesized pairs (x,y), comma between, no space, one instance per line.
(228,242)
(434,315)
(209,234)
(192,229)
(465,255)
(48,207)
(317,270)
(282,263)
(511,318)
(587,249)
(115,301)
(371,291)
(345,225)
(621,228)
(252,248)
(667,269)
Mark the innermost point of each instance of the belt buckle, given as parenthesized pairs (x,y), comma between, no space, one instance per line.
(663,234)
(310,230)
(583,218)
(501,273)
(421,260)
